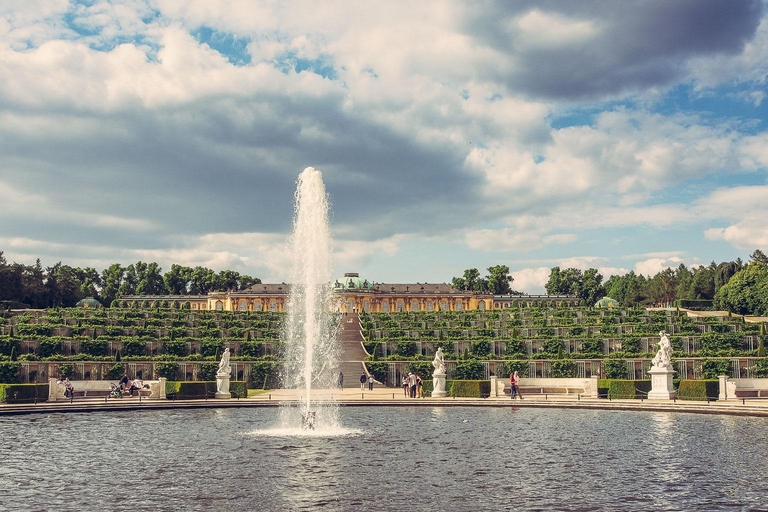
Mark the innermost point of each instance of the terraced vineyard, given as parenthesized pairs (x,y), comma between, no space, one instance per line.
(184,344)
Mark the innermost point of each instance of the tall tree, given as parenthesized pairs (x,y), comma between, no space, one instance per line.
(111,279)
(177,279)
(499,279)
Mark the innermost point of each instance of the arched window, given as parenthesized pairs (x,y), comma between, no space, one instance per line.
(350,305)
(400,306)
(481,305)
(430,306)
(444,305)
(258,306)
(385,306)
(366,306)
(415,305)
(272,306)
(459,306)
(243,306)
(219,305)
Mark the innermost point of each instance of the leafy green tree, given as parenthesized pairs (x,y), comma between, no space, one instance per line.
(499,279)
(150,279)
(747,291)
(111,279)
(177,279)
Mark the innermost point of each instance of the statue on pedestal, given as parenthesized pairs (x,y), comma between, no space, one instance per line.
(222,376)
(438,376)
(661,373)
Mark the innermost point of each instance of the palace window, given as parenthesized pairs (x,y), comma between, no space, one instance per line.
(219,305)
(350,305)
(415,305)
(366,306)
(481,305)
(243,306)
(258,306)
(459,306)
(272,306)
(385,306)
(430,306)
(400,306)
(444,305)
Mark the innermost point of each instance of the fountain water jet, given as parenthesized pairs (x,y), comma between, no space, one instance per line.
(310,348)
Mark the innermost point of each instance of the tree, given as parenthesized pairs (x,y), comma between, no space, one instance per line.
(499,279)
(564,282)
(747,291)
(471,281)
(591,288)
(150,279)
(111,279)
(759,257)
(203,280)
(177,279)
(246,282)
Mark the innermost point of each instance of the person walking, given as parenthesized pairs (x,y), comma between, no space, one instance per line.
(341,380)
(514,383)
(370,383)
(405,385)
(418,387)
(362,382)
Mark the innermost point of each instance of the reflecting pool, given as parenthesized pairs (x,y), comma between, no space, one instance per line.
(385,458)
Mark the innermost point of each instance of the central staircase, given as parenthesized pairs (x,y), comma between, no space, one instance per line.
(352,351)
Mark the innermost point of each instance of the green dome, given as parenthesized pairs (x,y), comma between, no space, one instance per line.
(607,302)
(89,302)
(352,281)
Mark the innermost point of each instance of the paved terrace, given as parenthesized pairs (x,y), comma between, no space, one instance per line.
(354,397)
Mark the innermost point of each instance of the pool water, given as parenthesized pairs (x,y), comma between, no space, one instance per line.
(385,458)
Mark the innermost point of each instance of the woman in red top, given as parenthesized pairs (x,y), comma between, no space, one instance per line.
(513,389)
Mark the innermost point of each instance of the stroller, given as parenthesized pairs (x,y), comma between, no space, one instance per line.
(115,391)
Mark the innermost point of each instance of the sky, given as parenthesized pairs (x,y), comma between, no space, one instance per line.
(615,135)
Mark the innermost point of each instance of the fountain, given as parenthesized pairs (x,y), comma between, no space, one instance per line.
(310,350)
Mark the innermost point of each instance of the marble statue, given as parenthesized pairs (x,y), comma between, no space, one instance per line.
(438,376)
(661,373)
(663,358)
(224,363)
(439,362)
(222,376)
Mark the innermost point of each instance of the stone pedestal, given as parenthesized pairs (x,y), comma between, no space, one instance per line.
(222,385)
(494,384)
(723,380)
(661,383)
(438,385)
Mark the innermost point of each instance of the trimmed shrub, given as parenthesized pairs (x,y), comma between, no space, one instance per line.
(238,388)
(624,388)
(252,348)
(9,372)
(187,390)
(471,388)
(261,374)
(481,348)
(167,370)
(9,345)
(698,389)
(23,393)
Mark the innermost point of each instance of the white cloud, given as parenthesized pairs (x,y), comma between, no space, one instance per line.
(492,240)
(530,280)
(653,266)
(746,235)
(539,29)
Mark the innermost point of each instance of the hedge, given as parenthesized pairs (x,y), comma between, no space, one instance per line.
(184,390)
(698,389)
(189,389)
(623,388)
(19,393)
(470,388)
(701,304)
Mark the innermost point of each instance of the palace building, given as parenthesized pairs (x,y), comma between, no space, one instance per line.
(353,293)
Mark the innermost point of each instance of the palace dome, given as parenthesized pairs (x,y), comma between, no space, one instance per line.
(352,281)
